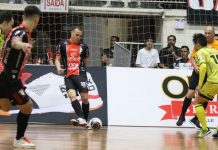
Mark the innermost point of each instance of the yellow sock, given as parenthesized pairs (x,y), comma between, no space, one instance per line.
(200,112)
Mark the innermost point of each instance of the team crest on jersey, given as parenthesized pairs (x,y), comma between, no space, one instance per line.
(21,92)
(17,32)
(202,56)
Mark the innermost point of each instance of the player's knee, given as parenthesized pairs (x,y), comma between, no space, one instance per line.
(196,102)
(27,107)
(6,108)
(72,96)
(85,100)
(5,105)
(191,94)
(84,97)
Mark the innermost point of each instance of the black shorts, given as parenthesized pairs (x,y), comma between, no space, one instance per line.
(193,80)
(12,89)
(77,82)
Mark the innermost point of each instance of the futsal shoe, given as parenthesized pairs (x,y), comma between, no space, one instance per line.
(24,143)
(78,122)
(203,133)
(82,122)
(74,122)
(195,122)
(215,135)
(180,121)
(88,127)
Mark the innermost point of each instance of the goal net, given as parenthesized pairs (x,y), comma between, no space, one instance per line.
(133,21)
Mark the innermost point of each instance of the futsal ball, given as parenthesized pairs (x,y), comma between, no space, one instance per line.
(95,123)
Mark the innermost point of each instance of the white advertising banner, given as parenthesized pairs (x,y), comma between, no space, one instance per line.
(150,97)
(54,5)
(49,94)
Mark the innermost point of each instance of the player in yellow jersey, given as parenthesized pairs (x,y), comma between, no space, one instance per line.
(207,58)
(209,33)
(6,23)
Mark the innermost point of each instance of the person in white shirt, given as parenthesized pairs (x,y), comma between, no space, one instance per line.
(147,57)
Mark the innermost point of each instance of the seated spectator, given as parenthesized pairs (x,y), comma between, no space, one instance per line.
(147,57)
(169,54)
(108,54)
(183,61)
(41,52)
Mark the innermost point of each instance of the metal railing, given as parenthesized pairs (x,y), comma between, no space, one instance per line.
(125,53)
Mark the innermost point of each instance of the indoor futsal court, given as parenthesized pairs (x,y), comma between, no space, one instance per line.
(66,137)
(137,102)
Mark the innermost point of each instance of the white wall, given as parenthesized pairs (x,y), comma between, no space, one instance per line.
(184,37)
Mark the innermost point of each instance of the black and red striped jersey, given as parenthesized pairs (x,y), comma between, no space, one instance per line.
(72,57)
(15,59)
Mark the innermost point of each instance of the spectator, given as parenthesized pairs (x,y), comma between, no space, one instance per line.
(169,54)
(147,57)
(108,54)
(41,52)
(183,61)
(216,37)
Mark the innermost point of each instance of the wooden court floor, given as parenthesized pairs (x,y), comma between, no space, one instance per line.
(66,137)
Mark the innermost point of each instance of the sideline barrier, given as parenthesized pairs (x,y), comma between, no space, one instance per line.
(51,103)
(118,96)
(150,97)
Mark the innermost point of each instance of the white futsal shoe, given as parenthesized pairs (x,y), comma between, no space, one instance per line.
(24,143)
(78,122)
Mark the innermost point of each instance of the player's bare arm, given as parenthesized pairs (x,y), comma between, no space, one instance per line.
(18,44)
(58,66)
(194,64)
(85,60)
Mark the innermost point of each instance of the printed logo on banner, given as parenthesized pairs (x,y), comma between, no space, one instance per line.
(54,5)
(52,96)
(173,110)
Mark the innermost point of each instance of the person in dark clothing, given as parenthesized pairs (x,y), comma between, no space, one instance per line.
(12,91)
(108,53)
(169,54)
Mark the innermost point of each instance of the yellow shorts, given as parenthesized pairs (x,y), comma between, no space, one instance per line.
(209,90)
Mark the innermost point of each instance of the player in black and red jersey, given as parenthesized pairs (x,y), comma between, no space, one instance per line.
(73,55)
(17,47)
